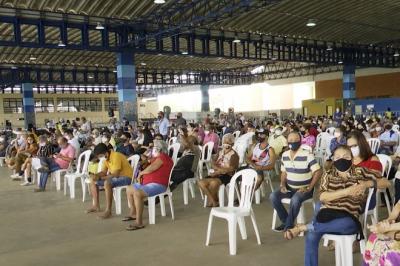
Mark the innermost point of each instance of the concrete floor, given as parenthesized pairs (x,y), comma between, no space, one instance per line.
(51,229)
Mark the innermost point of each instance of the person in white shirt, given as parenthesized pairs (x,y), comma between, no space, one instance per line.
(85,127)
(73,141)
(389,139)
(163,124)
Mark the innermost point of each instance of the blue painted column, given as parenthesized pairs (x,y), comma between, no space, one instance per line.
(349,81)
(28,103)
(126,77)
(205,98)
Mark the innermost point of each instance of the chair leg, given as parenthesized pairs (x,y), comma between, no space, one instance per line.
(162,205)
(253,221)
(257,196)
(84,186)
(347,253)
(242,227)
(191,188)
(152,210)
(274,220)
(232,235)
(210,221)
(221,196)
(65,185)
(205,201)
(171,205)
(117,199)
(185,192)
(387,202)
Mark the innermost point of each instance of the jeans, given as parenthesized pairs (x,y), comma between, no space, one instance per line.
(52,165)
(339,226)
(296,199)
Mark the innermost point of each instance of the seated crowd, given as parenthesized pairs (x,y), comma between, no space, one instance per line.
(338,181)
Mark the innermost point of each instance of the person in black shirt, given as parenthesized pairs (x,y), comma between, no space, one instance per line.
(125,146)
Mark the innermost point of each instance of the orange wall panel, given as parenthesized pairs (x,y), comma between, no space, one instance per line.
(328,89)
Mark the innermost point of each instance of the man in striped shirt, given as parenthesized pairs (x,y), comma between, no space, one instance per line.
(300,173)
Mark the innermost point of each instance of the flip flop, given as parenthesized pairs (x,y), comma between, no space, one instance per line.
(133,227)
(128,218)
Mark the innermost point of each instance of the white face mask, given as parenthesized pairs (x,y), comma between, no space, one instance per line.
(278,132)
(355,151)
(104,139)
(41,144)
(103,157)
(337,134)
(378,129)
(1,139)
(207,132)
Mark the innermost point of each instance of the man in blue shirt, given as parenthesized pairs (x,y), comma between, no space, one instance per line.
(163,124)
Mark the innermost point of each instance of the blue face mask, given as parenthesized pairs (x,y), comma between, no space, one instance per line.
(294,146)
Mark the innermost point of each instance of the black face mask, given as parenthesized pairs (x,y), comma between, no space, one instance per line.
(303,132)
(342,164)
(261,139)
(294,146)
(159,117)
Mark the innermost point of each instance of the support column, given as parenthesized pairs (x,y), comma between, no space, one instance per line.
(205,98)
(127,97)
(349,81)
(29,105)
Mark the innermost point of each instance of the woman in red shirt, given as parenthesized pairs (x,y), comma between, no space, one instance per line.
(362,153)
(153,181)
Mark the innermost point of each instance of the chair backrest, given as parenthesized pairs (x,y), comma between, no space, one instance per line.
(247,187)
(370,194)
(374,143)
(36,163)
(306,147)
(331,131)
(206,151)
(386,162)
(134,161)
(396,128)
(84,156)
(174,148)
(236,134)
(172,140)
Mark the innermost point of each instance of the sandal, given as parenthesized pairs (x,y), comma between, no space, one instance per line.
(128,218)
(293,232)
(133,227)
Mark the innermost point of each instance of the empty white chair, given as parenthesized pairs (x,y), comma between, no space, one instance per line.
(374,143)
(174,150)
(235,215)
(81,172)
(134,161)
(152,203)
(344,243)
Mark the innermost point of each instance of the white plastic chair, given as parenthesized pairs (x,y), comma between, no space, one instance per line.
(206,155)
(301,217)
(172,140)
(87,180)
(374,143)
(134,161)
(189,184)
(344,243)
(81,172)
(152,203)
(235,215)
(386,162)
(331,131)
(260,192)
(175,150)
(2,160)
(236,134)
(395,128)
(306,147)
(34,169)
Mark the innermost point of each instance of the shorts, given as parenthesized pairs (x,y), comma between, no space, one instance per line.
(116,182)
(151,189)
(225,179)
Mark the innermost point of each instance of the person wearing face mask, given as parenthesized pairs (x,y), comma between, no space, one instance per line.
(116,172)
(59,161)
(211,136)
(277,141)
(222,171)
(362,153)
(45,150)
(338,116)
(307,139)
(361,127)
(29,151)
(163,125)
(389,139)
(339,139)
(261,157)
(105,139)
(243,142)
(153,180)
(343,195)
(96,137)
(300,173)
(68,134)
(125,146)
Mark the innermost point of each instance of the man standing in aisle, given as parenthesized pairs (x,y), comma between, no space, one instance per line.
(300,173)
(163,124)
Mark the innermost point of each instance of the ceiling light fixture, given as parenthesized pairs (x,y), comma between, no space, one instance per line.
(311,23)
(158,2)
(340,62)
(143,63)
(329,48)
(115,71)
(90,77)
(61,44)
(185,53)
(99,26)
(32,58)
(14,67)
(396,54)
(236,40)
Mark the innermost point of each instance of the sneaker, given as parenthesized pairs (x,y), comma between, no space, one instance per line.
(279,228)
(38,190)
(26,183)
(14,175)
(16,178)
